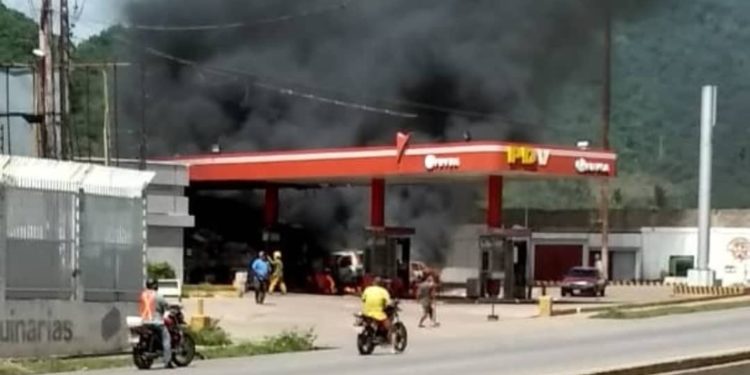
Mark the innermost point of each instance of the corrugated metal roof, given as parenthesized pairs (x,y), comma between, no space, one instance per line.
(48,174)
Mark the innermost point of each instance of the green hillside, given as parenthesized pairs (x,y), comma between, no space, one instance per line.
(661,59)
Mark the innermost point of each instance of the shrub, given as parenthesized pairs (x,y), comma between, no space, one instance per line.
(211,335)
(161,270)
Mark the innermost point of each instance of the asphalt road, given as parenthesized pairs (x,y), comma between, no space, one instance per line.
(569,345)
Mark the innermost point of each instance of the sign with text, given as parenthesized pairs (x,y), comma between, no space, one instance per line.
(432,162)
(594,167)
(527,156)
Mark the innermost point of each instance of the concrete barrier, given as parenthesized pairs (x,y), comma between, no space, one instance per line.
(42,328)
(683,289)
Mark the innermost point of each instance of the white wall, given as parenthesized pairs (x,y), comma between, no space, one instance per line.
(661,243)
(45,328)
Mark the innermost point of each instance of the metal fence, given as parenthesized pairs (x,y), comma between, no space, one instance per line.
(69,240)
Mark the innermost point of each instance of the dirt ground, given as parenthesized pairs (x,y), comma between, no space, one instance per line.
(331,317)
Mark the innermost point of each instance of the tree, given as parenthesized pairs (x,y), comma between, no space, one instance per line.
(17,36)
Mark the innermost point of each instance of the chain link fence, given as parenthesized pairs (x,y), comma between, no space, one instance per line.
(63,239)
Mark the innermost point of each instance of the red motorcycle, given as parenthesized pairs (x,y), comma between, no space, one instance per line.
(147,343)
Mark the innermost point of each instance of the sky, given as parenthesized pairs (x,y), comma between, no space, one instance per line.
(89,17)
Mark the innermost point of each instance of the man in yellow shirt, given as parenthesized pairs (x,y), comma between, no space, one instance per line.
(374,300)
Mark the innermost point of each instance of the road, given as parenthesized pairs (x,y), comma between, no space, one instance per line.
(566,345)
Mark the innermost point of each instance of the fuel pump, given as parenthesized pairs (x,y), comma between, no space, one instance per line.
(503,256)
(388,255)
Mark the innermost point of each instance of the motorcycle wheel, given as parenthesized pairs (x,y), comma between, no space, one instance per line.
(365,345)
(141,359)
(400,337)
(184,355)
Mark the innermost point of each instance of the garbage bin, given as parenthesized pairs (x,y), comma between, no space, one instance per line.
(545,306)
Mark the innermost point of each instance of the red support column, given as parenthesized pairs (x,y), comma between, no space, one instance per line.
(271,208)
(495,201)
(377,202)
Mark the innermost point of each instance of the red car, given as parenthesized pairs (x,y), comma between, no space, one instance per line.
(583,280)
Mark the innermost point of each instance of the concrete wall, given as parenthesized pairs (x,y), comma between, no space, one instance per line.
(168,213)
(661,243)
(45,328)
(619,220)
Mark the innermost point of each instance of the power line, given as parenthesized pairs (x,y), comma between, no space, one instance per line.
(258,81)
(226,26)
(272,87)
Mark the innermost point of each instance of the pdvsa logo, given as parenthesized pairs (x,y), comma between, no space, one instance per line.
(527,156)
(584,166)
(432,162)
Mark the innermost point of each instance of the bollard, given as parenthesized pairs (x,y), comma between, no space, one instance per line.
(545,306)
(199,320)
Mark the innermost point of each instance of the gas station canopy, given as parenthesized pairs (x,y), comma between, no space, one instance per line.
(401,164)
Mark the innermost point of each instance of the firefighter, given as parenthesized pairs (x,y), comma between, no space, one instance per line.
(277,275)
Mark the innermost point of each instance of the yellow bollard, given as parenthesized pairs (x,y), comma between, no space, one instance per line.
(545,306)
(199,320)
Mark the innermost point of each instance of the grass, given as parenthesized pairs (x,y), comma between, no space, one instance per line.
(207,288)
(622,313)
(286,342)
(211,335)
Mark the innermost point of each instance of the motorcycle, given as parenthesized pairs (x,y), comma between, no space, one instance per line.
(147,342)
(370,333)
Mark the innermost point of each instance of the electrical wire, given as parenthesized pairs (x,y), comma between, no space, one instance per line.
(258,82)
(285,88)
(236,25)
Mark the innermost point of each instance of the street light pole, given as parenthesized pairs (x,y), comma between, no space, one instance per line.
(702,275)
(605,115)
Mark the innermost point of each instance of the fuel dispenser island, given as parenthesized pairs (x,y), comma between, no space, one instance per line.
(387,255)
(503,263)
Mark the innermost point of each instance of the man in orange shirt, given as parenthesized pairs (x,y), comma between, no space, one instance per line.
(152,308)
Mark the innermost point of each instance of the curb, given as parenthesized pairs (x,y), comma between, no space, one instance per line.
(679,365)
(711,290)
(642,305)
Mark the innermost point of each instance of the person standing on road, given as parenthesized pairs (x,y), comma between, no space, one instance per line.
(277,274)
(426,298)
(599,265)
(261,269)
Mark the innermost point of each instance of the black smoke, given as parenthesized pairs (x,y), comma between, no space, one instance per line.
(488,67)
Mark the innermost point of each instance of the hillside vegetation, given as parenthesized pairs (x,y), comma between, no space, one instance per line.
(660,61)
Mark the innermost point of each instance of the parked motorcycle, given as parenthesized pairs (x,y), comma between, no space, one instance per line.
(370,334)
(147,343)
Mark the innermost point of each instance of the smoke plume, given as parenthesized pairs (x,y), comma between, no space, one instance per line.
(483,66)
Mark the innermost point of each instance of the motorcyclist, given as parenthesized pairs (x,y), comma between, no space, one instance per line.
(375,299)
(152,308)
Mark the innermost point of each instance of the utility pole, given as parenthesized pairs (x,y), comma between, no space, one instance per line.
(144,137)
(45,101)
(64,75)
(605,116)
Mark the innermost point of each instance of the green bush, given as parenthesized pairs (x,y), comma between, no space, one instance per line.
(211,335)
(286,342)
(161,270)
